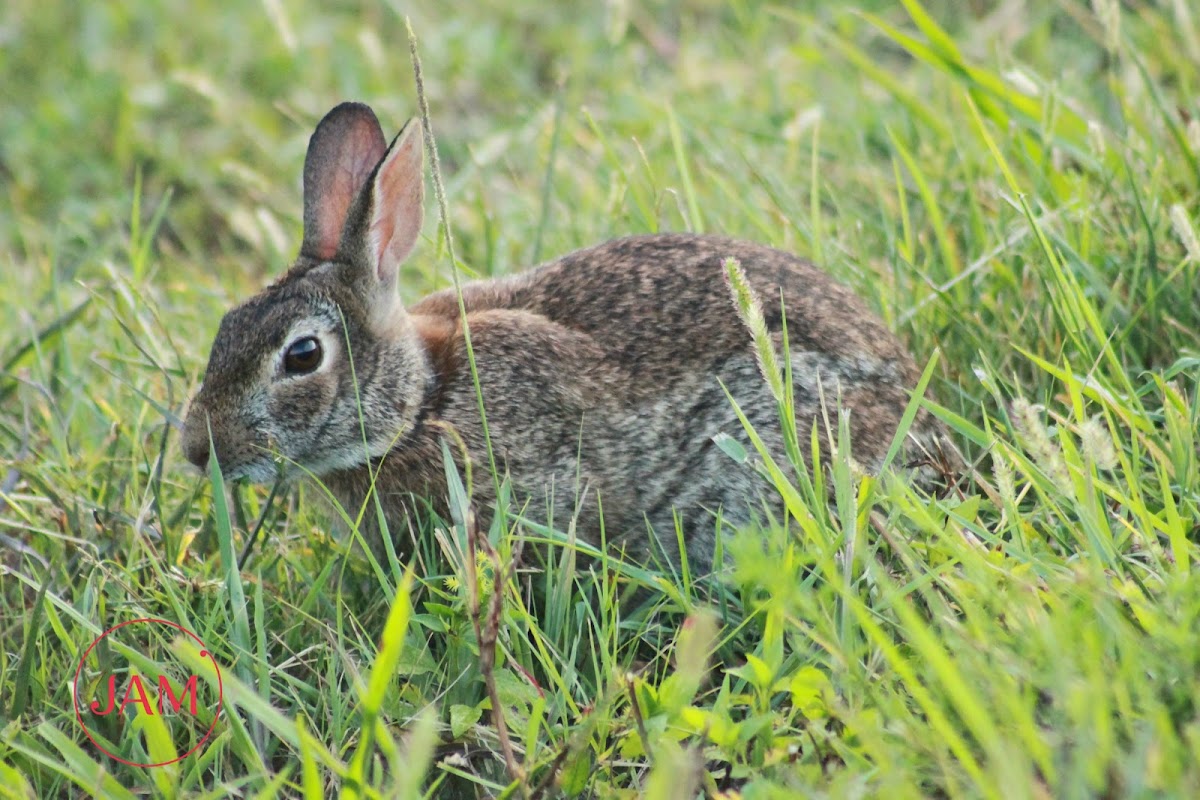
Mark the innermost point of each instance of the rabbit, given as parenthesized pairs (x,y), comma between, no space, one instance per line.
(603,373)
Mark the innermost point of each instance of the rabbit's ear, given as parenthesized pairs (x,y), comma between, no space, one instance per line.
(344,149)
(392,212)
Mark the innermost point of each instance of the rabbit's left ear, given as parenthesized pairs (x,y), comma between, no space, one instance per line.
(385,224)
(342,155)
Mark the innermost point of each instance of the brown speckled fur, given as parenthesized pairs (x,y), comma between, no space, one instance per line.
(601,372)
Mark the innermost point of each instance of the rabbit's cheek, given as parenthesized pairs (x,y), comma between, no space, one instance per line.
(301,409)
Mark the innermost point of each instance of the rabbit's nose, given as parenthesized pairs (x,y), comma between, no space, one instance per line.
(197,453)
(195,448)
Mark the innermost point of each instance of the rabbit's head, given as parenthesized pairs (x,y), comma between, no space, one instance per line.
(323,369)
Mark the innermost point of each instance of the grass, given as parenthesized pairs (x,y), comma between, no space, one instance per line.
(1014,187)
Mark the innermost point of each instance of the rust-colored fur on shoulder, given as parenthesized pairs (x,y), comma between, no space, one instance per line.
(603,373)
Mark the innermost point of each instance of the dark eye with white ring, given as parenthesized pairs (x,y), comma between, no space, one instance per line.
(302,356)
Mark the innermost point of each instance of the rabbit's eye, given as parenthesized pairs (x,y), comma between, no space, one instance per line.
(302,356)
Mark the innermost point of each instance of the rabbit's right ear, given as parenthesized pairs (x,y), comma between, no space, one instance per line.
(385,222)
(342,154)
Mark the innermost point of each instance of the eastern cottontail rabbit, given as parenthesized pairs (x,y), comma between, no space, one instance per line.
(601,372)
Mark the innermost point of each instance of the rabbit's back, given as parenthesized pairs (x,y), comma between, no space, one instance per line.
(658,305)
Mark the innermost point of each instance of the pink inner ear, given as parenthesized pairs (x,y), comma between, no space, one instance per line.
(343,151)
(397,213)
(359,156)
(343,187)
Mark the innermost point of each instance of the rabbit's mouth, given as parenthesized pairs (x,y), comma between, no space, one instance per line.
(263,472)
(271,465)
(244,461)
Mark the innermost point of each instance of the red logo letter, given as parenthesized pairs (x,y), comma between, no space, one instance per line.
(164,690)
(141,699)
(112,698)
